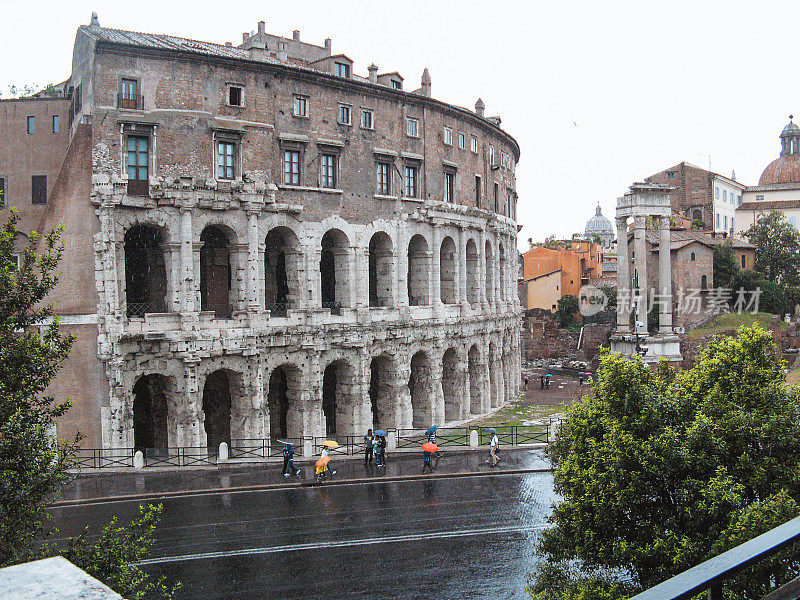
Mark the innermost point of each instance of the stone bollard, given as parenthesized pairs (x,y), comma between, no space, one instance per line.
(308,448)
(391,440)
(473,439)
(138,460)
(223,452)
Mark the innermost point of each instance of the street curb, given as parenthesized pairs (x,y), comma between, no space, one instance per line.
(284,486)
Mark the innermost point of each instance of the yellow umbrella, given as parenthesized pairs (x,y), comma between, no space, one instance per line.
(330,444)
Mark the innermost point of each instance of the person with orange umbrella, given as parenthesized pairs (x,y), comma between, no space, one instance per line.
(322,464)
(428,450)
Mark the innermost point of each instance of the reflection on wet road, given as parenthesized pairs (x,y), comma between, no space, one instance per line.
(446,538)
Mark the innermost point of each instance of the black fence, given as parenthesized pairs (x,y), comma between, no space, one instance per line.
(183,456)
(96,458)
(348,444)
(263,448)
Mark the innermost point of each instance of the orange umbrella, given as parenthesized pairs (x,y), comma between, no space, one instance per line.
(430,447)
(323,462)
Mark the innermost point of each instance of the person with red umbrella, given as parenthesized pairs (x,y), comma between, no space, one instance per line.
(428,450)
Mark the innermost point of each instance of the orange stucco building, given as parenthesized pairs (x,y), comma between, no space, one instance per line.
(551,273)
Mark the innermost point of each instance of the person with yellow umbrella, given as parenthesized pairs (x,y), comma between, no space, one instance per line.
(323,468)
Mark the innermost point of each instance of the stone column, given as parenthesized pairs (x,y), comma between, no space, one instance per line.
(623,277)
(190,430)
(252,286)
(401,266)
(640,262)
(436,277)
(484,301)
(665,279)
(403,413)
(461,289)
(436,392)
(496,269)
(188,280)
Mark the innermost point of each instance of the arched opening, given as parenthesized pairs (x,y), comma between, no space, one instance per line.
(145,271)
(334,270)
(419,384)
(217,408)
(281,250)
(475,381)
(450,381)
(704,282)
(150,412)
(215,272)
(447,271)
(697,215)
(381,374)
(283,394)
(489,268)
(339,399)
(419,269)
(493,364)
(380,270)
(502,275)
(472,272)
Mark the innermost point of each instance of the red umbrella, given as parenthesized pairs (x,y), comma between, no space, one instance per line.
(430,447)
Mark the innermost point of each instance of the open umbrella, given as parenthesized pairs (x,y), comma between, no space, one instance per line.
(432,430)
(379,432)
(330,444)
(492,430)
(429,447)
(322,462)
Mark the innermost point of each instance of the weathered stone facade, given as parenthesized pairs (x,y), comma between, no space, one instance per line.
(252,280)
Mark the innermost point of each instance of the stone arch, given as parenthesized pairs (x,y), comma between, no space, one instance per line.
(473,293)
(489,268)
(420,385)
(451,380)
(380,269)
(221,402)
(150,412)
(334,269)
(281,281)
(340,398)
(419,270)
(145,271)
(447,270)
(382,392)
(216,271)
(284,397)
(475,370)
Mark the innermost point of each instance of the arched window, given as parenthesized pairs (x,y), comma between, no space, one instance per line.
(281,287)
(334,270)
(447,271)
(419,268)
(145,271)
(704,282)
(692,256)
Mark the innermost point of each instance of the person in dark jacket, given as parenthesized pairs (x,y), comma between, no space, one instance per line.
(288,460)
(369,443)
(380,451)
(426,461)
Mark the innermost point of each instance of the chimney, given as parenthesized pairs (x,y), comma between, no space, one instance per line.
(733,175)
(282,54)
(94,24)
(262,27)
(373,73)
(296,35)
(328,45)
(245,35)
(479,107)
(426,83)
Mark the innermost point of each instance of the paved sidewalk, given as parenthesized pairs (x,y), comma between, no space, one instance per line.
(157,481)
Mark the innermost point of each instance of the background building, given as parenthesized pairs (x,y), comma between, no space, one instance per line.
(261,243)
(552,272)
(599,226)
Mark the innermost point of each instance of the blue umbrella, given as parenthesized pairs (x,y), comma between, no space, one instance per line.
(432,430)
(492,430)
(379,432)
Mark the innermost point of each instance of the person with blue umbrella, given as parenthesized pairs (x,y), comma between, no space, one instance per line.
(431,433)
(380,447)
(288,459)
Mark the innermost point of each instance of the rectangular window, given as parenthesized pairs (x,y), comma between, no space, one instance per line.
(39,189)
(235,95)
(138,166)
(225,158)
(291,167)
(129,94)
(301,106)
(55,123)
(760,198)
(739,201)
(491,154)
(384,179)
(31,125)
(449,186)
(744,262)
(670,174)
(366,118)
(344,114)
(462,140)
(496,192)
(412,127)
(724,195)
(716,193)
(327,175)
(398,85)
(342,69)
(477,190)
(718,221)
(2,192)
(448,136)
(410,181)
(725,220)
(473,144)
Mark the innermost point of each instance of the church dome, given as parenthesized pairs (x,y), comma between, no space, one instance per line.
(598,223)
(785,168)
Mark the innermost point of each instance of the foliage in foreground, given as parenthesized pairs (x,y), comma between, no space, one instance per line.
(660,471)
(34,463)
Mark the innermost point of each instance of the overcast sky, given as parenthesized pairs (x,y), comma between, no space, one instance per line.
(598,93)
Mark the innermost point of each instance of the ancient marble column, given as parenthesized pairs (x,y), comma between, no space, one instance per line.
(665,279)
(640,262)
(624,293)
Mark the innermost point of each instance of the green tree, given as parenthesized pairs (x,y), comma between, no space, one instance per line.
(566,308)
(659,471)
(725,267)
(34,463)
(777,248)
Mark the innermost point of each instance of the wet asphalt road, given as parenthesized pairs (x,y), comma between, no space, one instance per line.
(439,538)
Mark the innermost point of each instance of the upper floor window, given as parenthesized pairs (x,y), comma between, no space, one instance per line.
(367,118)
(448,136)
(31,125)
(2,192)
(129,94)
(670,174)
(738,200)
(449,186)
(473,144)
(716,193)
(225,159)
(39,189)
(138,163)
(344,114)
(491,154)
(301,106)
(327,170)
(398,85)
(759,197)
(412,127)
(55,123)
(496,194)
(384,178)
(291,167)
(235,95)
(462,140)
(477,190)
(724,195)
(410,173)
(342,69)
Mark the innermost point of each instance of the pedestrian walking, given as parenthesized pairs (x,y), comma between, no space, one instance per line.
(324,454)
(526,382)
(380,451)
(369,443)
(288,461)
(541,382)
(493,447)
(426,461)
(547,379)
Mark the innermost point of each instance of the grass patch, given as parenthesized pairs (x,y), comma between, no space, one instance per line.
(793,377)
(519,413)
(725,322)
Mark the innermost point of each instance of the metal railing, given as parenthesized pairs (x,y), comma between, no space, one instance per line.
(180,456)
(135,103)
(348,444)
(263,448)
(712,574)
(97,458)
(514,435)
(139,309)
